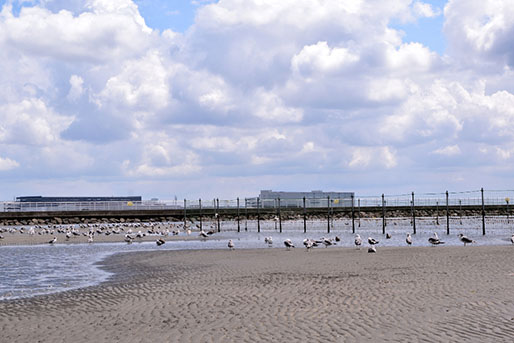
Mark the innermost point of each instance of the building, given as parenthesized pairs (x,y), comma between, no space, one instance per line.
(317,198)
(41,203)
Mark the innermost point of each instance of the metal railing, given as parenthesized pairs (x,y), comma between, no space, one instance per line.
(463,199)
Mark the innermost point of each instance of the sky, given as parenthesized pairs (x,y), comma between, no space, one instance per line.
(204,98)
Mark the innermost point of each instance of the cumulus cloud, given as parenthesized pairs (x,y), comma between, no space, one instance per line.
(254,88)
(7,164)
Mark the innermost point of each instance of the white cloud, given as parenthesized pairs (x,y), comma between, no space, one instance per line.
(8,164)
(76,88)
(450,150)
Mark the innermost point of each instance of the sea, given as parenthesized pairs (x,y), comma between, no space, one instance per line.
(32,270)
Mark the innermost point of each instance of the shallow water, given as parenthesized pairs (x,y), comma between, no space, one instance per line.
(43,269)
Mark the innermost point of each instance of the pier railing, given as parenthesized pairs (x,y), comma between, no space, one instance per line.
(443,199)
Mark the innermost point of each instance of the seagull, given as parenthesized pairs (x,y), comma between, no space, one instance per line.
(230,244)
(53,240)
(408,239)
(338,239)
(388,235)
(160,242)
(327,242)
(372,241)
(372,249)
(288,244)
(268,240)
(435,240)
(465,239)
(512,239)
(358,241)
(309,243)
(203,234)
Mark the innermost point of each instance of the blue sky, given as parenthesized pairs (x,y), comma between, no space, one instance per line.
(223,99)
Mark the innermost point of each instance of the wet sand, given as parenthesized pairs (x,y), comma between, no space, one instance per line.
(409,294)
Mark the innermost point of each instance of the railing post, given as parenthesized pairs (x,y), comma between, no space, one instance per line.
(353,214)
(447,215)
(413,215)
(483,211)
(383,215)
(304,217)
(279,217)
(328,214)
(238,223)
(258,216)
(200,208)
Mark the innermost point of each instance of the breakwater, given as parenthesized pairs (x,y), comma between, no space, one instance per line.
(196,214)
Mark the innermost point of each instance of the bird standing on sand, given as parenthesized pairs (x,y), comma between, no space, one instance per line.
(435,240)
(372,249)
(327,241)
(408,239)
(308,243)
(268,240)
(288,244)
(53,240)
(465,239)
(372,241)
(230,244)
(358,241)
(512,239)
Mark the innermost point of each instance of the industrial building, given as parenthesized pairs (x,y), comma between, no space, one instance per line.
(317,198)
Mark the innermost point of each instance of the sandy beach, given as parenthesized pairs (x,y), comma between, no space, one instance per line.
(416,294)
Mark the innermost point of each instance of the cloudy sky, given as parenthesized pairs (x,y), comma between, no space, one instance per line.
(199,98)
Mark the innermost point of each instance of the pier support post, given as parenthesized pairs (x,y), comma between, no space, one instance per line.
(200,209)
(383,215)
(246,214)
(258,217)
(185,213)
(218,212)
(238,221)
(359,210)
(353,214)
(413,215)
(483,211)
(279,217)
(328,214)
(304,217)
(447,215)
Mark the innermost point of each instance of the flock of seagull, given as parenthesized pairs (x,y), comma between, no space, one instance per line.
(310,243)
(162,230)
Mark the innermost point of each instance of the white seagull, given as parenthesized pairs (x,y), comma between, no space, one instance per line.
(288,244)
(465,239)
(53,240)
(160,242)
(372,241)
(435,240)
(372,249)
(203,234)
(512,239)
(358,241)
(327,241)
(308,243)
(408,239)
(230,244)
(268,240)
